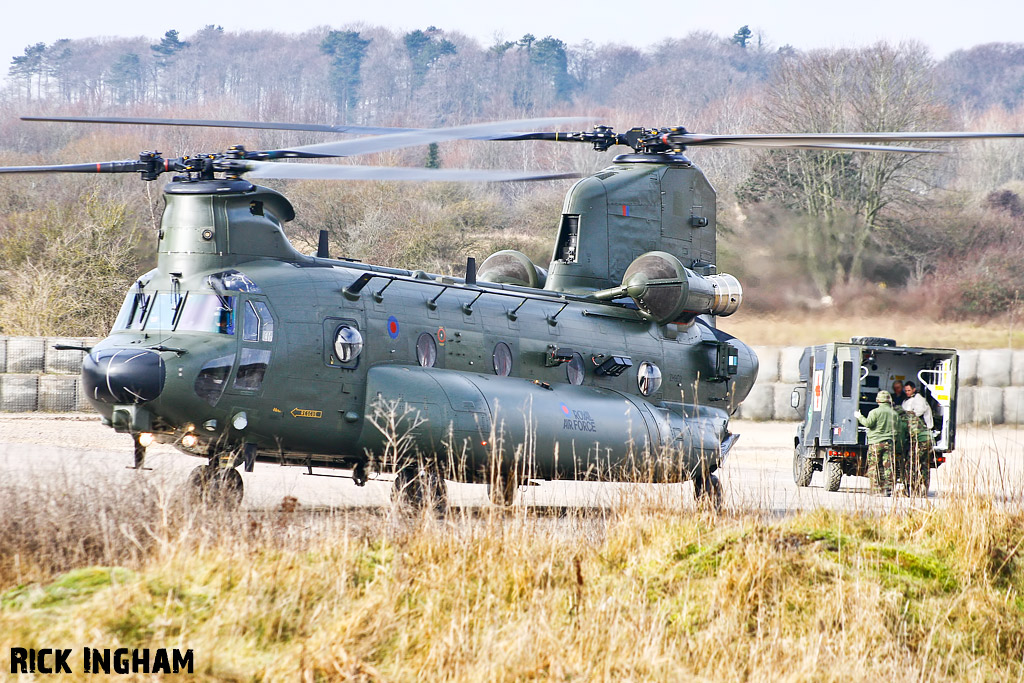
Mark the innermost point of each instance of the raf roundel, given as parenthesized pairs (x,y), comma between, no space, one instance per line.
(565,410)
(393,327)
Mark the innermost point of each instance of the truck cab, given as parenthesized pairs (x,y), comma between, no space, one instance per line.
(839,379)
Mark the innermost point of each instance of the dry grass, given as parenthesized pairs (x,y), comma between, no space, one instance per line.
(645,591)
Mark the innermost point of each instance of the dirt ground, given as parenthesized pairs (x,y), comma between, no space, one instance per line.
(756,476)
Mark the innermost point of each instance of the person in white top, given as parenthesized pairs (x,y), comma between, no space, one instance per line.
(919,415)
(915,403)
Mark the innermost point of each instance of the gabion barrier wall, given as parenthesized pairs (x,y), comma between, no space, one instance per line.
(35,376)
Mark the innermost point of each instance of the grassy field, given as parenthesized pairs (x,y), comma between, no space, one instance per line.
(645,591)
(803,329)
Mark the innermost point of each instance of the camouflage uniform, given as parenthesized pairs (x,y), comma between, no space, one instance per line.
(919,458)
(883,428)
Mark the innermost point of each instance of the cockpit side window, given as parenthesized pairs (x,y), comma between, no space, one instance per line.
(133,310)
(207,313)
(257,323)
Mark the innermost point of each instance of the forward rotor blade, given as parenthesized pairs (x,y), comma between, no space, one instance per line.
(832,140)
(212,123)
(496,130)
(97,167)
(260,169)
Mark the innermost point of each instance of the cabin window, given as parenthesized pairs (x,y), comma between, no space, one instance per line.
(426,350)
(251,369)
(348,344)
(648,378)
(502,359)
(847,379)
(575,370)
(207,313)
(213,378)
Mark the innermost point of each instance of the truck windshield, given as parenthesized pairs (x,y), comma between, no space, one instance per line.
(207,313)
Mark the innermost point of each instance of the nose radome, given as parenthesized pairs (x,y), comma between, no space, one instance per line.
(119,375)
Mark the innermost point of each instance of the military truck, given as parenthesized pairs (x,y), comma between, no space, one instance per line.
(838,379)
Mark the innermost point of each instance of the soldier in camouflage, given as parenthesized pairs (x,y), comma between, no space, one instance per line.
(919,416)
(883,430)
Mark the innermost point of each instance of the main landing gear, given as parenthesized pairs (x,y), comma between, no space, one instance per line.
(420,487)
(214,485)
(707,490)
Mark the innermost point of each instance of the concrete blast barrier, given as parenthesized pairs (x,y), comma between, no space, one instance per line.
(965,405)
(58,393)
(1017,369)
(25,354)
(967,367)
(18,393)
(789,364)
(783,410)
(1013,405)
(988,405)
(759,403)
(994,367)
(768,362)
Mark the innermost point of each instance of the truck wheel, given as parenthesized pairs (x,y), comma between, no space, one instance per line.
(873,341)
(833,475)
(803,468)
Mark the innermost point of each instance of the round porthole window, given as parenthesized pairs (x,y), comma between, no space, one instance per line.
(348,344)
(502,360)
(648,378)
(575,371)
(426,350)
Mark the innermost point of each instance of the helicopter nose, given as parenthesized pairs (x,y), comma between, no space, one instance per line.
(117,375)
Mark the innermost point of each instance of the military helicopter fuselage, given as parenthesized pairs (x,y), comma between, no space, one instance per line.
(238,348)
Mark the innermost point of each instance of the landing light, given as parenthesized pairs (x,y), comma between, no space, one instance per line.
(145,439)
(240,421)
(210,425)
(189,440)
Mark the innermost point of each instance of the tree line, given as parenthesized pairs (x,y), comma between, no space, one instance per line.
(886,229)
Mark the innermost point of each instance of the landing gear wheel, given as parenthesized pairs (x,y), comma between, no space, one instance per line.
(803,468)
(211,485)
(833,475)
(708,490)
(420,488)
(502,489)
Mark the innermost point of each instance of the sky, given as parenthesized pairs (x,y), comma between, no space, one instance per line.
(942,25)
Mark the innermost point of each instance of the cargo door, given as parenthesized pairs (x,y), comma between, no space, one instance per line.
(845,393)
(818,386)
(941,382)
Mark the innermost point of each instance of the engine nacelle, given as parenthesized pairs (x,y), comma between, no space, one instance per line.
(667,291)
(510,267)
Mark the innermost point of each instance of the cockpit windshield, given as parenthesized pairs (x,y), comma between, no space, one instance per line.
(166,311)
(207,313)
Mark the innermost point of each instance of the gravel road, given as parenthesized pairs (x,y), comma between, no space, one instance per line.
(757,475)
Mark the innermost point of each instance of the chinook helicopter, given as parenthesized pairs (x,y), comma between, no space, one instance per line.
(606,364)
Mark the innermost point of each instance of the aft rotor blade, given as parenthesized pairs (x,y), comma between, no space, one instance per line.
(97,167)
(213,123)
(260,169)
(496,130)
(832,140)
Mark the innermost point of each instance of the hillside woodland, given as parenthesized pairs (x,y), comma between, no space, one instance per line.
(940,234)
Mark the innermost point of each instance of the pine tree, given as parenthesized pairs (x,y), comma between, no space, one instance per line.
(347,51)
